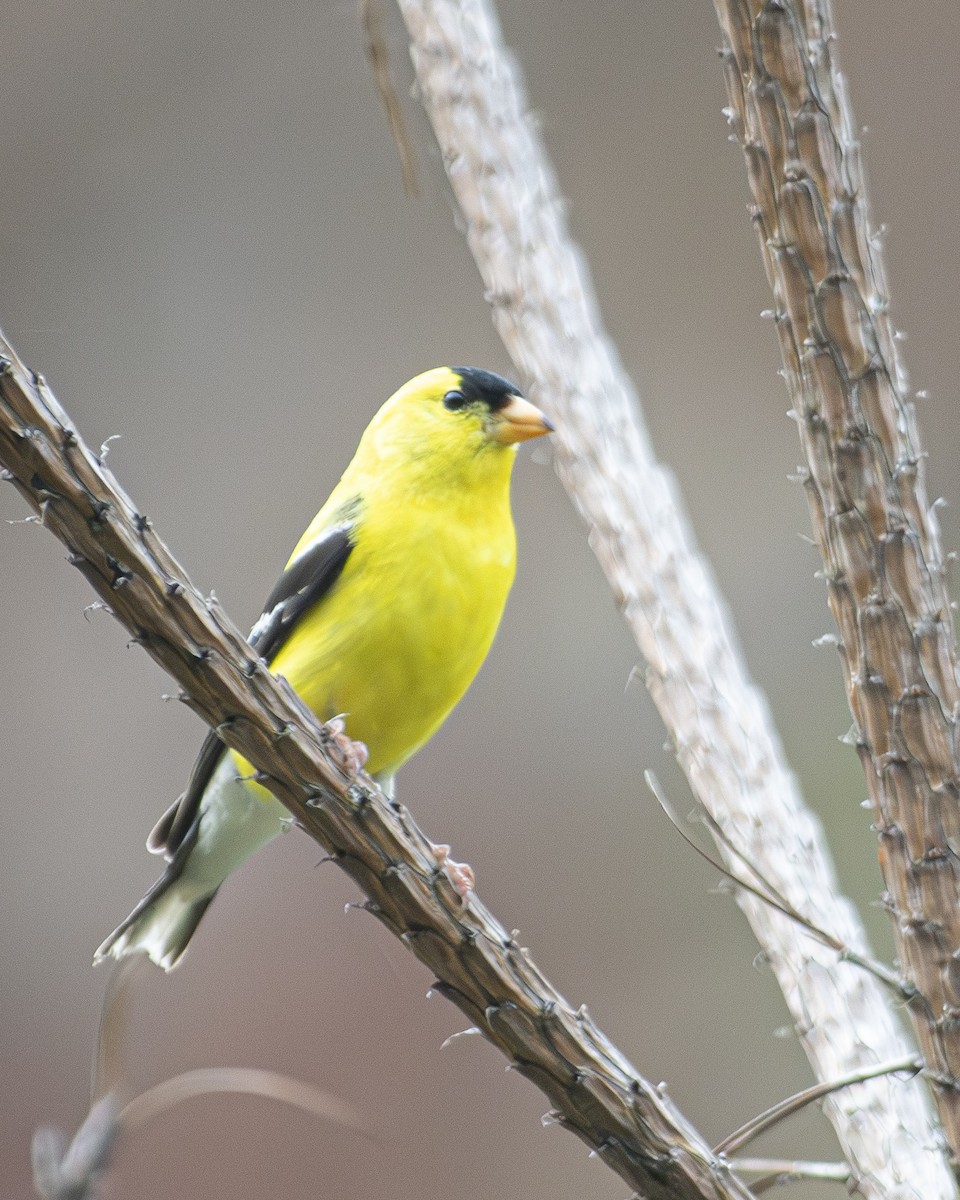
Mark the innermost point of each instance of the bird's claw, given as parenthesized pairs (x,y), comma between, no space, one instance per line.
(460,874)
(353,755)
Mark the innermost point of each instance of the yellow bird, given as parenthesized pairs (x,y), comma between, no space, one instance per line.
(384,613)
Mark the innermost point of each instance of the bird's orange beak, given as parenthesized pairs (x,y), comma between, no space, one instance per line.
(517,421)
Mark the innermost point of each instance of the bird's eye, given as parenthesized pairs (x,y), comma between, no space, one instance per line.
(454,400)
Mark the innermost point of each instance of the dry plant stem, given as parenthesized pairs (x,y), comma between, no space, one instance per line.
(546,313)
(792,1104)
(597,1094)
(789,1170)
(865,483)
(378,56)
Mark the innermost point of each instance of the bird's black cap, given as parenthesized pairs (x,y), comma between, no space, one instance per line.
(486,387)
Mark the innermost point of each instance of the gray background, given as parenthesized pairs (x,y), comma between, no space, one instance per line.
(207,250)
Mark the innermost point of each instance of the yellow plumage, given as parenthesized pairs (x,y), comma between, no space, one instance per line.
(401,636)
(385,612)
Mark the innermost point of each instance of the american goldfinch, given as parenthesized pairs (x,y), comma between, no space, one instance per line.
(383,614)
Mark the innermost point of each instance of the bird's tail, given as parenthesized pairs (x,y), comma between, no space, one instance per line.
(162,924)
(231,819)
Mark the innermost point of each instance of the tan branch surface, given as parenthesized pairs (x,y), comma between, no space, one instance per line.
(875,529)
(546,313)
(597,1094)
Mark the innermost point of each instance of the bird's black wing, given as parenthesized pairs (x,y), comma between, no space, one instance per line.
(306,580)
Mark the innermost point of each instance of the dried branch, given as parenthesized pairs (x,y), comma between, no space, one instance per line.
(65,1170)
(597,1094)
(240,1081)
(545,311)
(865,484)
(72,1171)
(778,1171)
(378,56)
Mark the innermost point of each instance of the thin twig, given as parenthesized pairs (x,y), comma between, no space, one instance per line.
(106,1074)
(766,891)
(375,46)
(777,1171)
(71,1171)
(240,1081)
(793,1104)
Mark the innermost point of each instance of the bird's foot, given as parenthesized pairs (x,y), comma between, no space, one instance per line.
(353,755)
(460,874)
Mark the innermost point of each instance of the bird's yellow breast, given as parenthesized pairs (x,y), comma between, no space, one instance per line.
(405,629)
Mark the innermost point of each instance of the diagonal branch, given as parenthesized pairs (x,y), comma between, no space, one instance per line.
(597,1094)
(865,485)
(545,311)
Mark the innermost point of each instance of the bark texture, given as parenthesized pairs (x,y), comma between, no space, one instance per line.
(596,1093)
(545,310)
(865,483)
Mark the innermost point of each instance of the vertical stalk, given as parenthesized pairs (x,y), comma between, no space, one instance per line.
(865,484)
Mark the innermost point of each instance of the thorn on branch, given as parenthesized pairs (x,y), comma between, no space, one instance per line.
(105,447)
(462,1033)
(96,606)
(494,1011)
(121,575)
(359,795)
(43,490)
(317,798)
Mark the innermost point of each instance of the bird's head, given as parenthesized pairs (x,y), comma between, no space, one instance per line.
(456,414)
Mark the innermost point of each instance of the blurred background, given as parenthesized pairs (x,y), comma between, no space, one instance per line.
(207,250)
